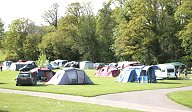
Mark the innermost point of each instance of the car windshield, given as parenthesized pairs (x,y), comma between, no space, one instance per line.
(24,75)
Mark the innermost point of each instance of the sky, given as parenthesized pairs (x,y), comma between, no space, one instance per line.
(34,9)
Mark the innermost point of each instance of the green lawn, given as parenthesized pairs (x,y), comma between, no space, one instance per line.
(101,85)
(23,103)
(182,97)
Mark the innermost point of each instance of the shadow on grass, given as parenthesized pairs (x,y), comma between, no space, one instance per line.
(4,111)
(2,83)
(39,85)
(169,83)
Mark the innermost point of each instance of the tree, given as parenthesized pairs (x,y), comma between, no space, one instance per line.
(183,15)
(42,60)
(51,16)
(1,28)
(149,28)
(104,29)
(186,36)
(81,27)
(20,35)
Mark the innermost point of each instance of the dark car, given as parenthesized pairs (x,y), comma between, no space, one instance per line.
(25,78)
(28,67)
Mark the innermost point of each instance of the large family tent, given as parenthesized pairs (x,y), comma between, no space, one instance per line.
(108,71)
(137,74)
(17,66)
(70,76)
(130,74)
(43,74)
(149,73)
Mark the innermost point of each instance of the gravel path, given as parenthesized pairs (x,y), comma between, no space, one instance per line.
(149,100)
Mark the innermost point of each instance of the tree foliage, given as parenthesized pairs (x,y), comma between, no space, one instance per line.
(105,24)
(22,39)
(149,31)
(51,16)
(1,28)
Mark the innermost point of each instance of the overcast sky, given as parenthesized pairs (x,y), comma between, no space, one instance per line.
(33,9)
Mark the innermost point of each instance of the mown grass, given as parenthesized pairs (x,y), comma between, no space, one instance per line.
(101,85)
(23,103)
(182,97)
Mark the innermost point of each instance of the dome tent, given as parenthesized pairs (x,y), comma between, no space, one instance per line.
(70,76)
(107,71)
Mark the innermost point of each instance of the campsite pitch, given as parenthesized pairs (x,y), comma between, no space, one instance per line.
(101,86)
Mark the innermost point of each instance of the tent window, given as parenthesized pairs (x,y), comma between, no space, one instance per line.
(162,70)
(170,70)
(81,76)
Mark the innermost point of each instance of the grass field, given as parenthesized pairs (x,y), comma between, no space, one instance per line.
(182,97)
(101,85)
(22,103)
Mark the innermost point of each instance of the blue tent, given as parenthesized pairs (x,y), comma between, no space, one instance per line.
(130,74)
(149,73)
(137,74)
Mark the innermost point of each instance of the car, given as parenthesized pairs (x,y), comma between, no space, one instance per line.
(99,65)
(28,67)
(54,65)
(25,78)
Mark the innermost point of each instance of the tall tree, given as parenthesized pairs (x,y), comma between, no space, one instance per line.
(149,28)
(51,16)
(15,39)
(104,27)
(82,23)
(1,28)
(183,15)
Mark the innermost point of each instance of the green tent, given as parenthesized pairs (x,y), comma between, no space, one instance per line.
(178,64)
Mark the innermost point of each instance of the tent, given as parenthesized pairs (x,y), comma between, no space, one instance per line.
(43,74)
(142,74)
(108,71)
(125,64)
(86,65)
(178,65)
(130,74)
(70,76)
(17,66)
(149,73)
(6,65)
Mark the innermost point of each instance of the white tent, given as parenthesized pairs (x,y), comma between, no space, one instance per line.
(6,65)
(17,66)
(86,65)
(70,76)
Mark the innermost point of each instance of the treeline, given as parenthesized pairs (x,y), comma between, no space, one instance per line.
(149,31)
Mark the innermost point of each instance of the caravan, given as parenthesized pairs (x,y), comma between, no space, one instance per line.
(165,71)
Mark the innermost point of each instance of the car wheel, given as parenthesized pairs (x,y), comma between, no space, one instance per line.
(16,84)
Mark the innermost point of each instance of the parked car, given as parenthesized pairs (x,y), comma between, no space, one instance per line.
(54,65)
(25,78)
(99,65)
(28,67)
